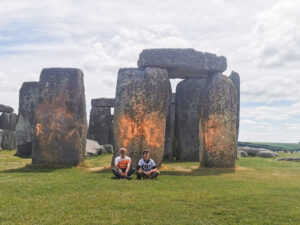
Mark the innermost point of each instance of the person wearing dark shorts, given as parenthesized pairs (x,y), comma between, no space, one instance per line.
(123,167)
(146,167)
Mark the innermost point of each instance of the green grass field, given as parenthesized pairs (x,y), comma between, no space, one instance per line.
(258,191)
(272,146)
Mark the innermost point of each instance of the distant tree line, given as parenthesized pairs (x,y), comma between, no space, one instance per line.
(272,146)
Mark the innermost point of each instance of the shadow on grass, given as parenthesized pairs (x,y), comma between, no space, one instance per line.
(29,168)
(195,172)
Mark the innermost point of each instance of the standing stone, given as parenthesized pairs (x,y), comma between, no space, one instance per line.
(28,98)
(187,116)
(235,78)
(5,108)
(9,140)
(168,148)
(8,125)
(1,137)
(217,124)
(183,63)
(140,112)
(100,125)
(60,118)
(8,121)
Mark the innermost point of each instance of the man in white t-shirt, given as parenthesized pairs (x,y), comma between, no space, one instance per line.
(123,167)
(146,167)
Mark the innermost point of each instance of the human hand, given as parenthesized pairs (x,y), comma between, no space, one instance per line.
(125,174)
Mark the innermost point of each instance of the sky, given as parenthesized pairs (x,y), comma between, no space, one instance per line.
(259,38)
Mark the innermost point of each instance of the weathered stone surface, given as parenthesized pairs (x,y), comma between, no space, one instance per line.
(103,102)
(8,140)
(243,153)
(5,108)
(183,63)
(235,78)
(187,115)
(140,112)
(265,154)
(100,125)
(290,159)
(92,148)
(8,121)
(168,151)
(60,118)
(217,126)
(28,98)
(1,137)
(259,152)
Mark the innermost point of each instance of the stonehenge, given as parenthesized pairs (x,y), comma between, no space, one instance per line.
(100,125)
(199,122)
(140,112)
(28,98)
(60,118)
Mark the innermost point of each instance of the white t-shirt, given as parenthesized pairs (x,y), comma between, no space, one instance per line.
(122,162)
(147,166)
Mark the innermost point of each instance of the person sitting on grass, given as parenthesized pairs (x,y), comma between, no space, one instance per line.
(146,167)
(122,167)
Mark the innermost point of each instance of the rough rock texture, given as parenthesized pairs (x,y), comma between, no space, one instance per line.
(235,78)
(1,137)
(252,151)
(103,102)
(8,121)
(259,152)
(92,148)
(140,112)
(100,125)
(187,115)
(243,153)
(60,118)
(168,150)
(265,154)
(8,140)
(182,63)
(217,126)
(289,159)
(5,108)
(28,98)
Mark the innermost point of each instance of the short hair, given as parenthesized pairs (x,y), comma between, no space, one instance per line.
(145,152)
(123,150)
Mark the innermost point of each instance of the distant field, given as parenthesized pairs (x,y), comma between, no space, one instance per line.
(272,146)
(258,191)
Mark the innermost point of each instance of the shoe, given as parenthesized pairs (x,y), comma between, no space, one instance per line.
(128,178)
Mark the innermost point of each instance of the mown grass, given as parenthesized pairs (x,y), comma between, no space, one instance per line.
(258,191)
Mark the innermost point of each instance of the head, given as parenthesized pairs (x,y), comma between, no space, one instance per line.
(146,155)
(123,152)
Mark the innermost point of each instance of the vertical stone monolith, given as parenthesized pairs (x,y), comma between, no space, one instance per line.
(217,126)
(28,98)
(187,114)
(140,112)
(60,118)
(235,78)
(8,125)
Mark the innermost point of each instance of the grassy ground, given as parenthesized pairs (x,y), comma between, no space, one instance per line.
(272,146)
(258,191)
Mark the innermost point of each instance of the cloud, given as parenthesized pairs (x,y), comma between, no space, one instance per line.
(259,38)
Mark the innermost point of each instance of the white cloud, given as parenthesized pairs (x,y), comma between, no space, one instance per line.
(259,38)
